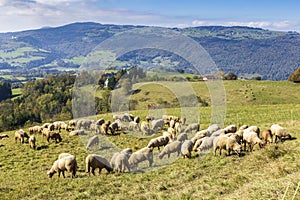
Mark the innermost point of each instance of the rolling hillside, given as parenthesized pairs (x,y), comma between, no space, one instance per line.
(248,52)
(268,173)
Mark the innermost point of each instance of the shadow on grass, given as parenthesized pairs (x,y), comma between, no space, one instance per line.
(42,147)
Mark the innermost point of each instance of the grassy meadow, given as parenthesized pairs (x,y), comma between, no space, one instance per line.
(269,173)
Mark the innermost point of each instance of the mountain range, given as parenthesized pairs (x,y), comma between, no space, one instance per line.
(245,51)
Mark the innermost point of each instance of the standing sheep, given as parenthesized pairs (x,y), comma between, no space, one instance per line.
(145,128)
(96,161)
(173,147)
(192,127)
(251,138)
(186,148)
(267,136)
(93,141)
(68,164)
(140,156)
(21,135)
(228,144)
(158,142)
(32,141)
(54,136)
(182,137)
(279,132)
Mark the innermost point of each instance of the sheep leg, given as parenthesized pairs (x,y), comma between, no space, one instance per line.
(93,171)
(228,152)
(63,173)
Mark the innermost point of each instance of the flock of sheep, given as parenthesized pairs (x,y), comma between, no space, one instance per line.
(174,137)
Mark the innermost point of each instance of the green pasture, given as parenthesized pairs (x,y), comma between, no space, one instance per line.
(269,173)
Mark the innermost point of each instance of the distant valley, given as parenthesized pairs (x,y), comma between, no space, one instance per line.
(247,52)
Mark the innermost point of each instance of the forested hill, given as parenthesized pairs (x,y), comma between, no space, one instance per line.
(248,52)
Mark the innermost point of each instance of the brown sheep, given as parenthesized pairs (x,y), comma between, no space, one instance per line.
(105,127)
(267,136)
(32,141)
(54,136)
(95,161)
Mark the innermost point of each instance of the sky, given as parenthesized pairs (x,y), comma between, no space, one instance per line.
(282,15)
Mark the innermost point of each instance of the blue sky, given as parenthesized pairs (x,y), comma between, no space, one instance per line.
(16,15)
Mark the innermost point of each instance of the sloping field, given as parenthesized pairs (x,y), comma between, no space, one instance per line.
(269,173)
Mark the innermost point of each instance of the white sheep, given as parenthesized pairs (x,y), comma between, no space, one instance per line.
(158,142)
(62,155)
(93,141)
(77,132)
(145,128)
(227,143)
(140,156)
(173,147)
(21,135)
(279,132)
(230,129)
(177,128)
(123,162)
(182,137)
(251,138)
(93,161)
(192,127)
(157,125)
(133,126)
(68,164)
(186,148)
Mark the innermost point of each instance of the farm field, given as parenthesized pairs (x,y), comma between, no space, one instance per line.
(269,173)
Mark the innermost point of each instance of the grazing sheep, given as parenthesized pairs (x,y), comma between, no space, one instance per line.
(113,127)
(251,138)
(96,161)
(254,129)
(51,127)
(192,127)
(230,129)
(182,137)
(45,125)
(45,132)
(121,163)
(236,136)
(137,119)
(99,122)
(21,135)
(32,141)
(140,156)
(3,136)
(123,117)
(145,128)
(197,143)
(173,147)
(168,135)
(35,130)
(267,136)
(199,135)
(186,148)
(172,123)
(67,163)
(54,136)
(158,142)
(149,118)
(228,144)
(172,131)
(279,132)
(133,126)
(182,120)
(127,151)
(105,127)
(77,132)
(207,143)
(93,141)
(157,125)
(177,128)
(212,128)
